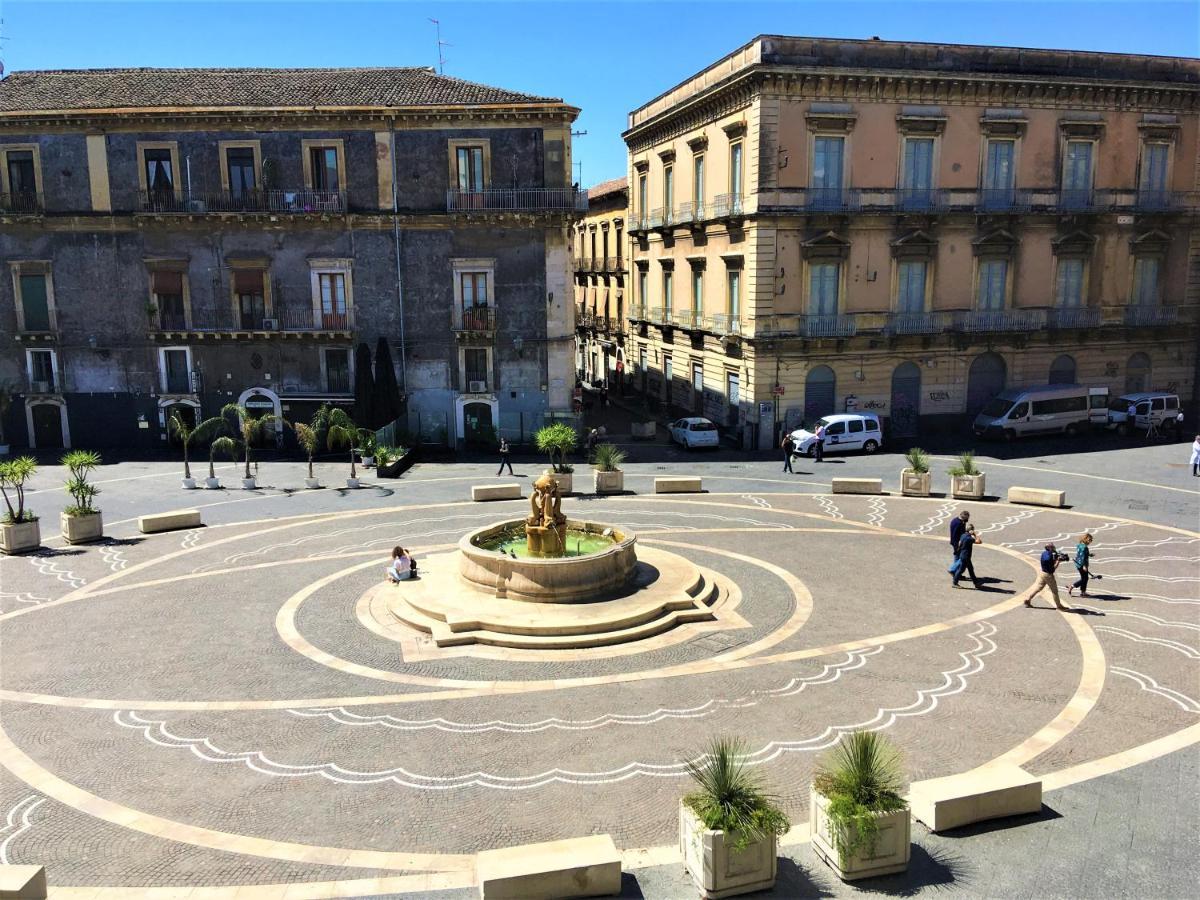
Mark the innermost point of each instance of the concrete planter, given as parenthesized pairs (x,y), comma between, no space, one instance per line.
(20,537)
(189,484)
(915,484)
(312,483)
(249,484)
(718,870)
(893,843)
(352,483)
(81,529)
(368,461)
(564,481)
(967,487)
(212,484)
(608,482)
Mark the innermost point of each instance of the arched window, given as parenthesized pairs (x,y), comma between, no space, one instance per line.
(985,380)
(1062,370)
(820,391)
(1137,373)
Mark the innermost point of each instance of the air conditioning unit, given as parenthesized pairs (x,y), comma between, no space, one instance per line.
(270,324)
(478,387)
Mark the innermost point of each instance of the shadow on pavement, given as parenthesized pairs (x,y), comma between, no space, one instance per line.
(1045,814)
(929,867)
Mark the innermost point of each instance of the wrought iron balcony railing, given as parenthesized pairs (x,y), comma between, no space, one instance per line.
(476,319)
(1148,316)
(281,319)
(21,203)
(659,316)
(657,218)
(918,322)
(842,326)
(723,324)
(297,202)
(614,264)
(1001,320)
(726,205)
(1073,317)
(688,213)
(495,200)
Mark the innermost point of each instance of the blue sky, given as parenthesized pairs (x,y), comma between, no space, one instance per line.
(605,57)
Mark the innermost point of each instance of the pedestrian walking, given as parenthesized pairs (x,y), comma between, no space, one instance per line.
(1083,558)
(957,526)
(819,443)
(789,447)
(604,395)
(504,460)
(1196,457)
(964,563)
(590,443)
(1049,562)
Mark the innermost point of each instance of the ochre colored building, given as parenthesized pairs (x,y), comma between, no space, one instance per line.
(907,228)
(600,261)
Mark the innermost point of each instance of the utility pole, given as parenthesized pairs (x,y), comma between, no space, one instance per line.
(440,45)
(579,177)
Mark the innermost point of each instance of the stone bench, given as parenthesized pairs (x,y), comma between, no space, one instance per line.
(575,867)
(169,521)
(22,882)
(690,484)
(992,792)
(495,492)
(1037,496)
(857,485)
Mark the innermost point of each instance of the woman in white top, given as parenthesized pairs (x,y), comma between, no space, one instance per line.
(1196,457)
(401,567)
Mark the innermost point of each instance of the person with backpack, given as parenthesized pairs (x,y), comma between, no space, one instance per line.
(504,460)
(789,448)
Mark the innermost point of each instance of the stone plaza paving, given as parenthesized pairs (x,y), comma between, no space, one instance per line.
(213,709)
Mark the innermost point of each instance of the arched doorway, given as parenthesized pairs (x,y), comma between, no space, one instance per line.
(478,429)
(1137,373)
(820,389)
(189,412)
(906,399)
(986,379)
(1062,370)
(47,424)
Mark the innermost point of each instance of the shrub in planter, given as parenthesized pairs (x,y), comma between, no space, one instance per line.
(556,441)
(729,825)
(19,529)
(368,447)
(607,477)
(861,825)
(81,521)
(225,445)
(966,481)
(916,481)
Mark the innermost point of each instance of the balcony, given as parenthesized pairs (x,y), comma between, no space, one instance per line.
(1000,320)
(659,316)
(726,206)
(690,213)
(501,200)
(724,324)
(918,322)
(21,204)
(614,265)
(479,320)
(637,313)
(657,218)
(1076,317)
(580,263)
(691,319)
(298,202)
(284,321)
(43,383)
(807,326)
(1150,316)
(636,222)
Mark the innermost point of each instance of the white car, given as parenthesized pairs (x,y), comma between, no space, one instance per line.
(695,432)
(843,432)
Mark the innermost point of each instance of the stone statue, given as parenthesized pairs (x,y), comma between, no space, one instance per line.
(546,526)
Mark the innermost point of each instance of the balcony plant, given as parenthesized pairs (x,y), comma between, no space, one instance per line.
(307,436)
(916,480)
(556,441)
(606,473)
(860,822)
(966,481)
(226,446)
(340,431)
(19,529)
(81,521)
(729,825)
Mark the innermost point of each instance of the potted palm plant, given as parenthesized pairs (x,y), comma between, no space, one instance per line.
(307,437)
(367,446)
(340,431)
(81,521)
(224,445)
(249,428)
(729,825)
(19,529)
(179,428)
(556,441)
(966,481)
(860,822)
(916,481)
(607,475)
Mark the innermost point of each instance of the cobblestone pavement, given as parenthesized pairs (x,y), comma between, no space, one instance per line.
(206,708)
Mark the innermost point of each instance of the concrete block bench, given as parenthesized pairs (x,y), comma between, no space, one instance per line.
(1037,496)
(22,882)
(857,485)
(643,431)
(992,792)
(169,521)
(575,867)
(495,492)
(678,485)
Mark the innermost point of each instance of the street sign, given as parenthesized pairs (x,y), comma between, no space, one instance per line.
(778,391)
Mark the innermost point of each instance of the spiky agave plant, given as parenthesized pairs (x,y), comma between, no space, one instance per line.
(731,798)
(965,465)
(918,460)
(608,457)
(861,777)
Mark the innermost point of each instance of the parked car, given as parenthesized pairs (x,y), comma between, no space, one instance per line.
(843,432)
(1047,409)
(695,431)
(1158,407)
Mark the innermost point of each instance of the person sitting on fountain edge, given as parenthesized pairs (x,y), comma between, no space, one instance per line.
(403,566)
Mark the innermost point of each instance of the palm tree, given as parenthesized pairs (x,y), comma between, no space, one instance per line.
(248,428)
(179,428)
(307,437)
(221,445)
(340,431)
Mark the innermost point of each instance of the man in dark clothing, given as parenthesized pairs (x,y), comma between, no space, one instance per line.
(957,526)
(965,545)
(789,447)
(504,460)
(1049,561)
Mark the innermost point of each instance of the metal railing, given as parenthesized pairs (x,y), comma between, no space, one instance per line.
(517,200)
(1001,320)
(636,222)
(688,318)
(476,318)
(918,322)
(614,264)
(725,205)
(1147,316)
(1074,317)
(657,218)
(297,202)
(806,326)
(282,318)
(581,263)
(49,385)
(637,312)
(22,203)
(690,212)
(723,323)
(658,315)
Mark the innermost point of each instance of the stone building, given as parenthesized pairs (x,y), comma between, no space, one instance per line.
(186,238)
(819,225)
(600,252)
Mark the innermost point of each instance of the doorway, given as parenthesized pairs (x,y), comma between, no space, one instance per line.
(478,429)
(47,426)
(820,389)
(986,379)
(906,399)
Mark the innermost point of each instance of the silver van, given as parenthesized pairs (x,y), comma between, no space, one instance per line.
(1049,409)
(1160,408)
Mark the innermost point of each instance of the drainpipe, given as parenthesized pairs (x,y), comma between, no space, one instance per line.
(396,242)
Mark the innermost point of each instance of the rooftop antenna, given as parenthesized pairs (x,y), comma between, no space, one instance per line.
(440,45)
(579,177)
(3,39)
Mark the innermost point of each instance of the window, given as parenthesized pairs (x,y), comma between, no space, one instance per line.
(698,180)
(250,297)
(469,167)
(733,290)
(1069,288)
(1153,180)
(240,169)
(827,169)
(668,370)
(1059,405)
(993,284)
(21,173)
(732,388)
(332,286)
(642,195)
(836,428)
(643,289)
(475,362)
(20,178)
(337,370)
(872,425)
(735,170)
(910,286)
(323,166)
(855,426)
(1077,173)
(33,289)
(42,370)
(667,298)
(698,377)
(176,370)
(823,289)
(160,174)
(697,290)
(166,288)
(1020,411)
(474,289)
(917,175)
(1145,280)
(642,359)
(668,188)
(999,173)
(592,246)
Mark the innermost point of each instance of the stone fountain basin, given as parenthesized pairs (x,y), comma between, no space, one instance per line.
(571,579)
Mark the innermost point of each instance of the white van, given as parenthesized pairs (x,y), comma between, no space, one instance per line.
(843,432)
(1050,409)
(1158,407)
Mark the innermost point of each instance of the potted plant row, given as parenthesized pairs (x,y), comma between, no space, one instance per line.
(81,521)
(607,477)
(19,529)
(556,441)
(916,480)
(966,481)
